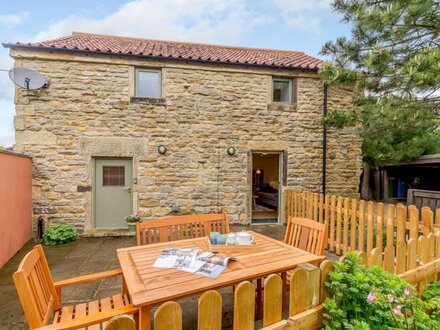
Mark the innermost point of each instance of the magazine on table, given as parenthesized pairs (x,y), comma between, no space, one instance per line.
(207,264)
(176,258)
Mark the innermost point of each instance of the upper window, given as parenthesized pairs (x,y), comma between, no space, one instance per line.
(148,83)
(281,90)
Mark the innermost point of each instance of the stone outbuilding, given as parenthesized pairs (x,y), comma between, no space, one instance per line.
(128,125)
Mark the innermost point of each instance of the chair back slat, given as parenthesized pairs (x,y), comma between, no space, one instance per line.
(306,234)
(180,227)
(35,288)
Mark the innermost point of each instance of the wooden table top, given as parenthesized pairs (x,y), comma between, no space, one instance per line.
(150,286)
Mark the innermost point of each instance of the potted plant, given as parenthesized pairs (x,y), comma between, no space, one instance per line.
(131,221)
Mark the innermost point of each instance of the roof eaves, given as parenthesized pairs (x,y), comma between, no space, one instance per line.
(56,49)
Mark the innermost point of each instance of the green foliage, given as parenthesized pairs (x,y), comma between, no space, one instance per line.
(392,60)
(351,284)
(59,234)
(431,296)
(133,218)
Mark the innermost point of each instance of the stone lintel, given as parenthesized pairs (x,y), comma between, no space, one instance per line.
(268,145)
(113,146)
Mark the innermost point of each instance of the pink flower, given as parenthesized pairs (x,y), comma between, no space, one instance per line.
(407,291)
(398,310)
(390,298)
(371,297)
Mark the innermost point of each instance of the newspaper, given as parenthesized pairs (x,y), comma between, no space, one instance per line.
(206,264)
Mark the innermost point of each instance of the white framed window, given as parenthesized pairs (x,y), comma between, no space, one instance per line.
(148,83)
(282,90)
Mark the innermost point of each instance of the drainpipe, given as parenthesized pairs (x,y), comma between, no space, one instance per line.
(324,141)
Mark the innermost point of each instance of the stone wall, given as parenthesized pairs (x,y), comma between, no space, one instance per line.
(86,111)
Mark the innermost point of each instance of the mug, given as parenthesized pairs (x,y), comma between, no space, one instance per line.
(213,237)
(244,238)
(221,239)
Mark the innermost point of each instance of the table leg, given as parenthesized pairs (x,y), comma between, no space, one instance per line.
(259,300)
(144,318)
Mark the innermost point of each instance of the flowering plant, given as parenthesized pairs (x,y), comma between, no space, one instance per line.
(132,218)
(370,298)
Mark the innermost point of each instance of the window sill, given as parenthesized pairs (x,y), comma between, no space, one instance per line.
(148,100)
(281,106)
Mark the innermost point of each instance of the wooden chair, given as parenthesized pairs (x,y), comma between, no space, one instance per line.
(40,297)
(307,235)
(180,227)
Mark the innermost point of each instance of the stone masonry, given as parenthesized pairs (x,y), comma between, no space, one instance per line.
(88,111)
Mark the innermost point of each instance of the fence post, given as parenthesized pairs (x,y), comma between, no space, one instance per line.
(298,300)
(244,306)
(168,316)
(273,300)
(210,311)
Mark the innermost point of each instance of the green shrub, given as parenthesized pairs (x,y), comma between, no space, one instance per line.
(431,297)
(371,298)
(59,234)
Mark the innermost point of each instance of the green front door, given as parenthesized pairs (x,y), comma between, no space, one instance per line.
(113,192)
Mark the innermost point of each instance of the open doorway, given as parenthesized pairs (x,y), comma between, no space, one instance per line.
(266,179)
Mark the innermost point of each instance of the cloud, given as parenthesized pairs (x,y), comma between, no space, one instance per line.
(304,15)
(210,21)
(13,20)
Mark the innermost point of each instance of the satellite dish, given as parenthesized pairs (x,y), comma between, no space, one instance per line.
(27,78)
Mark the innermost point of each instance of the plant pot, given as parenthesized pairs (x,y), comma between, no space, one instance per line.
(131,226)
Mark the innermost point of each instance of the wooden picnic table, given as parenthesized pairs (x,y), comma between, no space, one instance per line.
(149,287)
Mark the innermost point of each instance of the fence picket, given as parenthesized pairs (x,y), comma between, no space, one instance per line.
(353,224)
(422,250)
(361,230)
(388,259)
(401,250)
(437,244)
(273,300)
(401,223)
(338,225)
(411,261)
(375,258)
(427,220)
(321,209)
(430,247)
(332,224)
(210,311)
(244,306)
(299,299)
(379,226)
(168,316)
(370,225)
(346,224)
(315,207)
(326,267)
(390,225)
(413,213)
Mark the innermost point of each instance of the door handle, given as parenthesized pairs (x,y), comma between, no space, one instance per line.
(128,189)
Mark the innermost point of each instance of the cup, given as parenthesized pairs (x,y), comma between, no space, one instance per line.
(213,237)
(230,239)
(244,238)
(221,239)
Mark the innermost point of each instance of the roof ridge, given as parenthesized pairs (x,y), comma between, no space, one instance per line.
(182,42)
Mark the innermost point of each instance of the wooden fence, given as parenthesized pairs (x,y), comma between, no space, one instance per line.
(307,292)
(387,233)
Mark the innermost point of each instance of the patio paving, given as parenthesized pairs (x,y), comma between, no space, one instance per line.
(92,255)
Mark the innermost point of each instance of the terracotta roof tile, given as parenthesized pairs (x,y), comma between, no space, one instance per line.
(178,50)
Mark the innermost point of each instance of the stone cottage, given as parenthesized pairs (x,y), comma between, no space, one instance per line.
(129,125)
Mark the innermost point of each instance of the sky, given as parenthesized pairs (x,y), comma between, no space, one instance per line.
(303,25)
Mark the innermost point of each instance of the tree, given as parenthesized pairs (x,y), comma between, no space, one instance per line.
(393,61)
